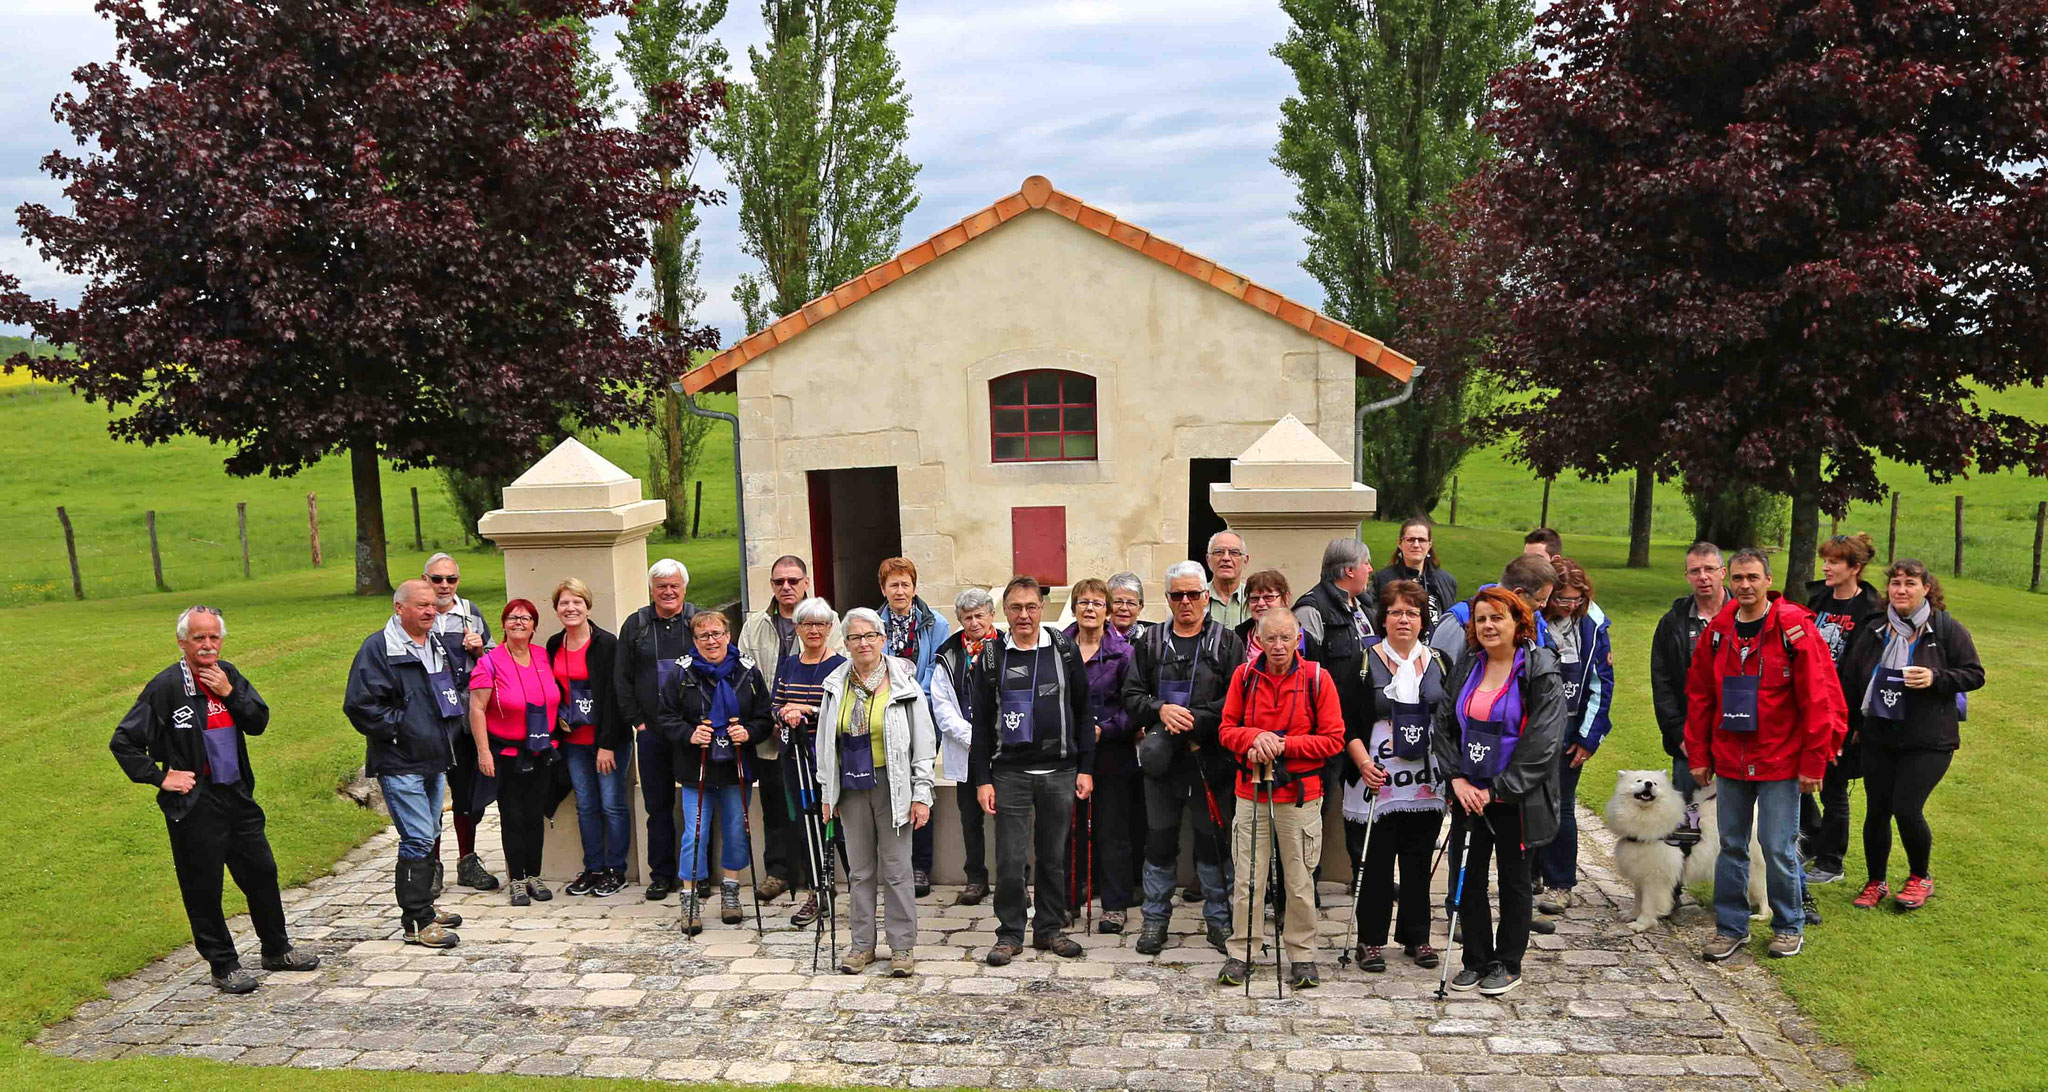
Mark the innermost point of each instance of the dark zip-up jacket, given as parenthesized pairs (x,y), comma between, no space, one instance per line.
(391,701)
(1218,652)
(686,701)
(1932,722)
(1333,641)
(635,679)
(1530,779)
(152,739)
(1071,744)
(1670,659)
(1441,586)
(600,658)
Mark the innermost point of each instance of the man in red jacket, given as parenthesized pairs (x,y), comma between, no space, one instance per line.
(1280,710)
(1764,713)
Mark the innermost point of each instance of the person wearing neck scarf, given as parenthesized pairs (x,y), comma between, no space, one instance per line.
(1908,680)
(914,633)
(711,711)
(952,694)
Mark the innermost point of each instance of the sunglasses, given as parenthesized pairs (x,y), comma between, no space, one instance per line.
(1184,596)
(786,581)
(443,579)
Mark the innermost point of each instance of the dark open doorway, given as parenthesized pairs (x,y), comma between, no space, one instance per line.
(1202,519)
(856,524)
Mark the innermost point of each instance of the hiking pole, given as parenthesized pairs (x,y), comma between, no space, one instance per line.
(747,831)
(1458,827)
(1089,905)
(696,844)
(1253,889)
(804,803)
(1273,825)
(1372,811)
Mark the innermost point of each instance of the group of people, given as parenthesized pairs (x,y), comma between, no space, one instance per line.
(1091,745)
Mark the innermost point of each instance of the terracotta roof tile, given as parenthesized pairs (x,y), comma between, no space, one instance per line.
(1038,192)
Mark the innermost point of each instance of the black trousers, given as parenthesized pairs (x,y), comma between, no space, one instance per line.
(462,779)
(658,793)
(973,834)
(1503,843)
(1824,823)
(1033,815)
(776,829)
(1118,804)
(921,849)
(1407,838)
(224,829)
(522,813)
(1896,786)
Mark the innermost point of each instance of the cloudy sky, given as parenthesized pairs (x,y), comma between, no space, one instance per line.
(1161,111)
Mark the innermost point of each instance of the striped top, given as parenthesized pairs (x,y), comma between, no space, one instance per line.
(801,683)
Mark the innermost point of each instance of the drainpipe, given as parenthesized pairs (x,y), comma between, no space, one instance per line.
(1358,423)
(739,490)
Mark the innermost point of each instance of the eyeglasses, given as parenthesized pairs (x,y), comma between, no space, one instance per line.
(443,579)
(1184,596)
(786,581)
(1096,603)
(1417,539)
(1226,552)
(814,625)
(1126,601)
(1404,612)
(852,637)
(1264,597)
(518,618)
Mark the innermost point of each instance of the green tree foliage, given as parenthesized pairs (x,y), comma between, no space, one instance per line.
(1384,125)
(814,148)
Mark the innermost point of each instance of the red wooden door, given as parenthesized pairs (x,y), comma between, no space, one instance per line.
(1038,544)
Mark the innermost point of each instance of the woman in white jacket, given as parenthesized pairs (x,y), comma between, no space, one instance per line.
(876,746)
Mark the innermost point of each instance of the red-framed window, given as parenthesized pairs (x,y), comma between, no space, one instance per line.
(1042,416)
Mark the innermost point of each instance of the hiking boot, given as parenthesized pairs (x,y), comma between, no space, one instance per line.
(1151,938)
(856,962)
(584,883)
(610,882)
(235,981)
(659,887)
(1821,875)
(771,889)
(693,922)
(1914,895)
(807,913)
(1372,959)
(1002,954)
(469,872)
(920,883)
(1219,938)
(1304,976)
(1058,944)
(293,959)
(1498,980)
(972,894)
(1234,972)
(444,918)
(537,890)
(1723,947)
(1810,908)
(1465,981)
(1112,922)
(1787,945)
(431,935)
(1554,901)
(517,889)
(729,903)
(901,965)
(1873,893)
(1423,955)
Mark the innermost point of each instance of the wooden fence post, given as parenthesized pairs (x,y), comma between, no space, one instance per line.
(156,558)
(1891,542)
(242,527)
(1544,519)
(1959,534)
(313,525)
(697,508)
(71,549)
(1454,500)
(417,542)
(2040,525)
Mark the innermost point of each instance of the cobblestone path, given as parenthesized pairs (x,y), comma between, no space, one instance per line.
(607,987)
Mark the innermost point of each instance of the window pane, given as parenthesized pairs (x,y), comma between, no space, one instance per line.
(1045,420)
(1081,445)
(1044,389)
(1007,391)
(1009,420)
(1081,420)
(1009,447)
(1080,388)
(1045,447)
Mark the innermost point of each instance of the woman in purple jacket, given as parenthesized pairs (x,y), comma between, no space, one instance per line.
(1111,825)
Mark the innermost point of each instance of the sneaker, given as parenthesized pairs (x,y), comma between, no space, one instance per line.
(729,903)
(1001,954)
(972,894)
(1723,947)
(771,889)
(1059,944)
(235,981)
(1818,876)
(1219,938)
(1151,938)
(1465,981)
(920,883)
(610,882)
(1787,945)
(517,889)
(431,935)
(1873,893)
(1234,972)
(1554,901)
(1304,976)
(584,883)
(1498,980)
(856,962)
(659,887)
(901,965)
(1423,955)
(446,920)
(1112,922)
(1810,908)
(470,872)
(1914,895)
(1372,959)
(806,914)
(538,890)
(293,959)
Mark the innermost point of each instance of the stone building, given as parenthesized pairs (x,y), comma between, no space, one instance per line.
(1039,388)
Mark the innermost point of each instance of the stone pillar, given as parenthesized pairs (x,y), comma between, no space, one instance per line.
(1289,495)
(575,514)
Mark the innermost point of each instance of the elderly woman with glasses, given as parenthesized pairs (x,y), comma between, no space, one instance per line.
(799,691)
(1126,602)
(875,776)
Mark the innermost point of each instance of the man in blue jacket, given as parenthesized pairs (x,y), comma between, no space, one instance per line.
(403,698)
(187,735)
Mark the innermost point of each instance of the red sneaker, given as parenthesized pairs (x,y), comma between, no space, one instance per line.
(1914,894)
(1872,894)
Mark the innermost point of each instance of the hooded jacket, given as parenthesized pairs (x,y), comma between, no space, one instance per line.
(1300,707)
(390,699)
(153,738)
(1530,779)
(1800,714)
(1932,721)
(1593,676)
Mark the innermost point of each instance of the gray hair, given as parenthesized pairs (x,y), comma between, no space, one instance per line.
(865,614)
(1342,554)
(1128,582)
(1186,568)
(1211,548)
(1271,621)
(437,559)
(398,593)
(667,566)
(814,609)
(185,620)
(974,599)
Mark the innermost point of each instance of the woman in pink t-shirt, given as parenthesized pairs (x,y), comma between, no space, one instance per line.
(514,706)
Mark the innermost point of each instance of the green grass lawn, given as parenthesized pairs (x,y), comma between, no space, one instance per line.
(106,486)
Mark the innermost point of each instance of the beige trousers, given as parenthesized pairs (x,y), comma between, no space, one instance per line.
(1301,846)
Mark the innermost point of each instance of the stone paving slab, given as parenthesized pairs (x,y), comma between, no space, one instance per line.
(610,988)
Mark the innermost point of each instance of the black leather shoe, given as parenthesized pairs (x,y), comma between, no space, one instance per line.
(658,888)
(921,883)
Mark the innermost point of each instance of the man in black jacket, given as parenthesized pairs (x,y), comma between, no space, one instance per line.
(403,698)
(652,641)
(1173,695)
(1678,632)
(1032,756)
(187,735)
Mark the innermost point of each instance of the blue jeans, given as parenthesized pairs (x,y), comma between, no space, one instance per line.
(1774,807)
(414,801)
(604,816)
(1558,862)
(725,805)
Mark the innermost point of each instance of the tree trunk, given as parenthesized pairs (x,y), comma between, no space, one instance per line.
(1639,517)
(372,576)
(1805,537)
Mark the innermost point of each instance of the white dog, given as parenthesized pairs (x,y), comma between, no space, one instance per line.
(1643,811)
